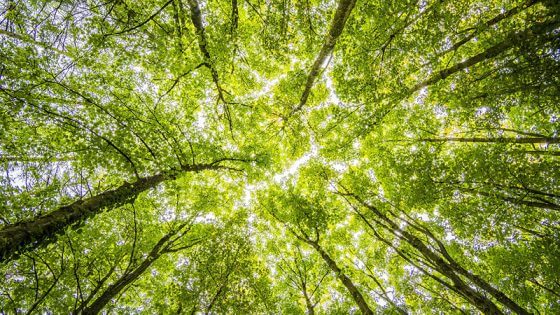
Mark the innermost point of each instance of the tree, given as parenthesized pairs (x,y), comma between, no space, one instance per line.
(167,244)
(187,156)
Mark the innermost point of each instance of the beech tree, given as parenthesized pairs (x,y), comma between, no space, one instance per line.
(262,157)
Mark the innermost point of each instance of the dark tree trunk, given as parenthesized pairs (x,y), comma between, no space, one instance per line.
(535,140)
(24,236)
(115,288)
(354,292)
(196,19)
(27,235)
(337,26)
(498,18)
(520,201)
(450,269)
(514,39)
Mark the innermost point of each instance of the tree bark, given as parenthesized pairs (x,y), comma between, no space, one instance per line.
(514,39)
(196,19)
(519,201)
(115,288)
(498,18)
(309,304)
(481,302)
(497,294)
(451,269)
(96,289)
(337,26)
(27,235)
(354,292)
(535,140)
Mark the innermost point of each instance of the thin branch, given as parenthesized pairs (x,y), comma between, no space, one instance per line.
(141,24)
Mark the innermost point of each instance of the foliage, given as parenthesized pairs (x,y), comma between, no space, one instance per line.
(264,157)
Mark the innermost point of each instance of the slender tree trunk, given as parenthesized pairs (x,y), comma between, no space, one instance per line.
(484,304)
(309,304)
(27,235)
(481,283)
(115,288)
(459,270)
(214,299)
(196,19)
(519,201)
(498,18)
(544,287)
(523,189)
(118,286)
(337,26)
(451,270)
(535,140)
(497,294)
(354,292)
(384,294)
(96,289)
(234,17)
(221,289)
(510,189)
(510,41)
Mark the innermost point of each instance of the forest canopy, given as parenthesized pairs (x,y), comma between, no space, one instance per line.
(279,157)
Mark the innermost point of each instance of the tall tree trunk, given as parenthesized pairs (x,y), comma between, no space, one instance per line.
(27,235)
(118,286)
(354,292)
(514,39)
(534,140)
(115,288)
(497,294)
(337,26)
(196,19)
(309,304)
(495,20)
(451,269)
(96,289)
(520,201)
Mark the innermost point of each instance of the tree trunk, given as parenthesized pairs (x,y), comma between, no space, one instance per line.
(27,235)
(498,18)
(309,304)
(196,19)
(484,304)
(114,289)
(536,140)
(354,292)
(497,294)
(514,39)
(337,26)
(98,287)
(518,201)
(451,270)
